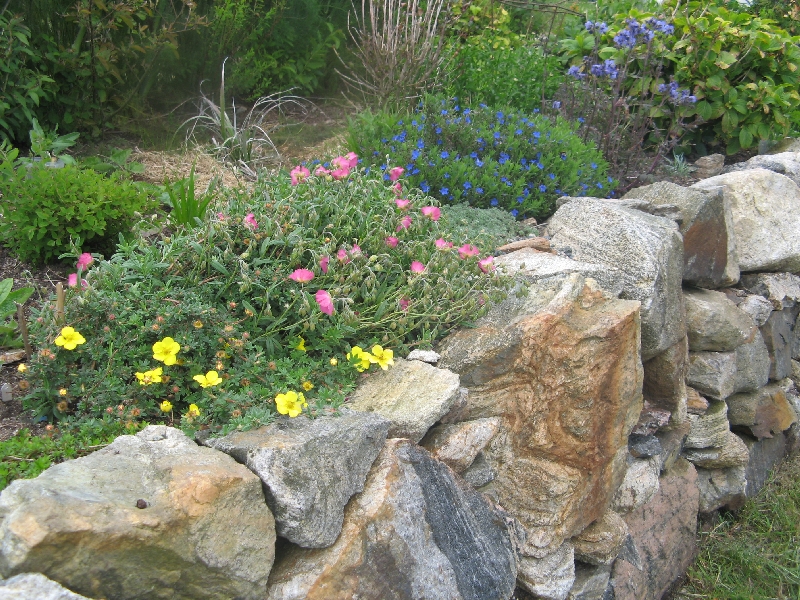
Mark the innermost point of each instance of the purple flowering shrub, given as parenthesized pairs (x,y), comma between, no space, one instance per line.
(483,156)
(618,89)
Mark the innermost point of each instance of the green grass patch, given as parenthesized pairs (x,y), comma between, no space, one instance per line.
(756,553)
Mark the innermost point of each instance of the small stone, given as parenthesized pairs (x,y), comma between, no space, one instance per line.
(758,307)
(537,243)
(550,577)
(35,586)
(713,374)
(752,365)
(733,453)
(640,484)
(714,323)
(721,488)
(764,412)
(781,289)
(600,543)
(457,445)
(140,503)
(643,446)
(778,336)
(709,166)
(591,582)
(480,472)
(695,403)
(651,420)
(427,356)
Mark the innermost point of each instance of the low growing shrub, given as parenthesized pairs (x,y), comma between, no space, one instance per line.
(43,209)
(277,303)
(484,157)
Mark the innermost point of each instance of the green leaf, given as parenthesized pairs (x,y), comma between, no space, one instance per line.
(218,266)
(745,138)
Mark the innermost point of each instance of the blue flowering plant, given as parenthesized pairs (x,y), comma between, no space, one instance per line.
(483,156)
(619,91)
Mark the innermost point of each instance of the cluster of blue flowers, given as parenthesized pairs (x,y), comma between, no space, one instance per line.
(487,157)
(677,95)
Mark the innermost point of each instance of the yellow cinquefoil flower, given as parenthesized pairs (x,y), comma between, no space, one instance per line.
(334,361)
(300,345)
(291,403)
(69,339)
(359,358)
(148,377)
(166,350)
(62,392)
(384,358)
(308,386)
(193,411)
(22,368)
(165,406)
(209,379)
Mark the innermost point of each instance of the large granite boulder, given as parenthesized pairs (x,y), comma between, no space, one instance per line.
(785,163)
(765,207)
(663,533)
(310,468)
(35,586)
(714,323)
(709,246)
(151,515)
(413,395)
(416,531)
(560,368)
(646,250)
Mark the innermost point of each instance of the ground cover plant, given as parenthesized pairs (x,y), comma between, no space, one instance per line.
(276,304)
(484,156)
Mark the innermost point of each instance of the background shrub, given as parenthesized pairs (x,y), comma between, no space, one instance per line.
(483,156)
(44,209)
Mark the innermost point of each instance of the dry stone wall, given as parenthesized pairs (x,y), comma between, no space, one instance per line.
(643,372)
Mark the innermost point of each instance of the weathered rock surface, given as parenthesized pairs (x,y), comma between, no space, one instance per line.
(765,455)
(480,472)
(765,207)
(665,381)
(752,365)
(536,243)
(781,289)
(714,323)
(785,163)
(695,403)
(663,532)
(644,446)
(721,488)
(458,445)
(646,250)
(428,356)
(413,395)
(591,582)
(206,531)
(34,586)
(566,407)
(709,247)
(416,531)
(651,420)
(763,413)
(758,307)
(550,577)
(779,337)
(713,374)
(639,486)
(709,430)
(672,443)
(600,543)
(309,468)
(709,166)
(733,453)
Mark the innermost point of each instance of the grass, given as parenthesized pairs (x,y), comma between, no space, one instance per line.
(756,553)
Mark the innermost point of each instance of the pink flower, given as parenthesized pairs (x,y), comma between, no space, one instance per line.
(352,159)
(417,267)
(486,264)
(468,250)
(299,174)
(84,260)
(321,171)
(323,263)
(405,223)
(342,256)
(402,204)
(392,241)
(355,251)
(250,221)
(404,304)
(340,173)
(72,281)
(302,275)
(398,188)
(325,302)
(395,173)
(221,216)
(432,211)
(442,245)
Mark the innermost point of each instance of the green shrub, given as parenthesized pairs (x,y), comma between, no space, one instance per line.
(786,13)
(483,156)
(230,294)
(43,209)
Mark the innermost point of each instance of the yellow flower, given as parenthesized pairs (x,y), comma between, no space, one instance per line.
(22,368)
(307,386)
(165,406)
(148,377)
(384,358)
(359,359)
(300,345)
(209,379)
(334,361)
(193,411)
(62,392)
(69,339)
(198,324)
(165,351)
(291,403)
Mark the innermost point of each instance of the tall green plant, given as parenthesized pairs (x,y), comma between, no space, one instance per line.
(9,298)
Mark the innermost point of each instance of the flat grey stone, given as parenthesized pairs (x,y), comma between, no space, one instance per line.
(778,333)
(721,488)
(644,446)
(752,365)
(785,163)
(758,307)
(714,323)
(713,374)
(35,586)
(428,356)
(781,289)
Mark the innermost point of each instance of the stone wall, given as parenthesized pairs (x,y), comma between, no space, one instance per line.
(642,372)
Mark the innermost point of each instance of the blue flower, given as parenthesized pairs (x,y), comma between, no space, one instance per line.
(366,171)
(542,188)
(494,202)
(518,132)
(594,165)
(444,191)
(581,120)
(503,158)
(497,135)
(444,154)
(467,185)
(447,175)
(520,199)
(552,175)
(563,156)
(414,154)
(425,187)
(478,162)
(537,135)
(473,155)
(444,111)
(438,130)
(575,71)
(599,185)
(556,104)
(478,190)
(420,144)
(467,111)
(514,212)
(610,179)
